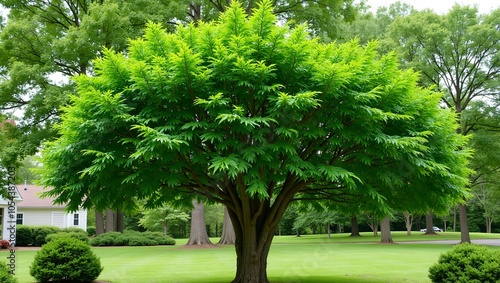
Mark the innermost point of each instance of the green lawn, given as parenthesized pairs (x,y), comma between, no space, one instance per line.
(308,259)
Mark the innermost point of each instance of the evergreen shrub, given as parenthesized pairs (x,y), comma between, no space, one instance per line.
(41,232)
(467,263)
(82,236)
(65,259)
(24,236)
(5,275)
(91,231)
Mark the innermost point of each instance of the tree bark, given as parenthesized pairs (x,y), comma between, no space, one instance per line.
(328,230)
(354,227)
(385,231)
(408,222)
(228,236)
(489,221)
(198,234)
(110,223)
(99,223)
(429,224)
(254,236)
(120,221)
(464,224)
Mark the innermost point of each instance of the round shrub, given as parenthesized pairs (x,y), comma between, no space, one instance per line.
(24,236)
(467,263)
(5,275)
(65,259)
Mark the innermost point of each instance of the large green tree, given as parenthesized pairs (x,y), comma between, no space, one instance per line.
(458,53)
(44,42)
(253,115)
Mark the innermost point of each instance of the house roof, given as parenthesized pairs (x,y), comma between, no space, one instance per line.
(31,197)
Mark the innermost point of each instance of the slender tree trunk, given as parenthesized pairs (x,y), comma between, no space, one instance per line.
(385,231)
(99,223)
(464,224)
(110,223)
(298,232)
(228,236)
(198,235)
(444,224)
(454,219)
(374,227)
(328,229)
(354,227)
(489,221)
(429,224)
(408,222)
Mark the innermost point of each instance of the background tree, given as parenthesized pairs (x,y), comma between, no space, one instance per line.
(458,54)
(253,115)
(228,236)
(198,232)
(159,219)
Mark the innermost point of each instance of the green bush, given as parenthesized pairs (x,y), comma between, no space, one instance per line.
(72,229)
(65,259)
(131,238)
(5,275)
(41,232)
(91,231)
(467,263)
(24,236)
(82,236)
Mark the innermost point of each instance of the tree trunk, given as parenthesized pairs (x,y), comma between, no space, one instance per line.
(385,231)
(298,232)
(99,223)
(429,224)
(464,224)
(454,219)
(254,236)
(489,221)
(228,236)
(198,235)
(354,227)
(120,221)
(110,223)
(408,222)
(374,227)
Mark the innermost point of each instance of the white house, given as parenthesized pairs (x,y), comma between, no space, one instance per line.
(36,211)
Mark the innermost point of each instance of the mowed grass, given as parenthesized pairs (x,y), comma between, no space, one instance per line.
(306,259)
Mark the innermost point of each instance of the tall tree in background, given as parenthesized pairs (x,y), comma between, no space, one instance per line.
(159,219)
(198,233)
(253,115)
(459,54)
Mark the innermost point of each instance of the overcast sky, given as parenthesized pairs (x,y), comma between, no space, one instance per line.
(439,6)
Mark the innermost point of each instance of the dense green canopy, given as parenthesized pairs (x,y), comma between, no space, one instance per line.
(253,115)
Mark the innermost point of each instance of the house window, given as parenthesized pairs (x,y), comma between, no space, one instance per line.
(76,219)
(20,218)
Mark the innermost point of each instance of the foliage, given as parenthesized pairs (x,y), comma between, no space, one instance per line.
(40,234)
(160,218)
(253,115)
(132,238)
(91,231)
(5,275)
(4,244)
(467,263)
(37,235)
(24,236)
(82,236)
(65,260)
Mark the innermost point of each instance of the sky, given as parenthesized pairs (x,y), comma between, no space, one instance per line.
(439,6)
